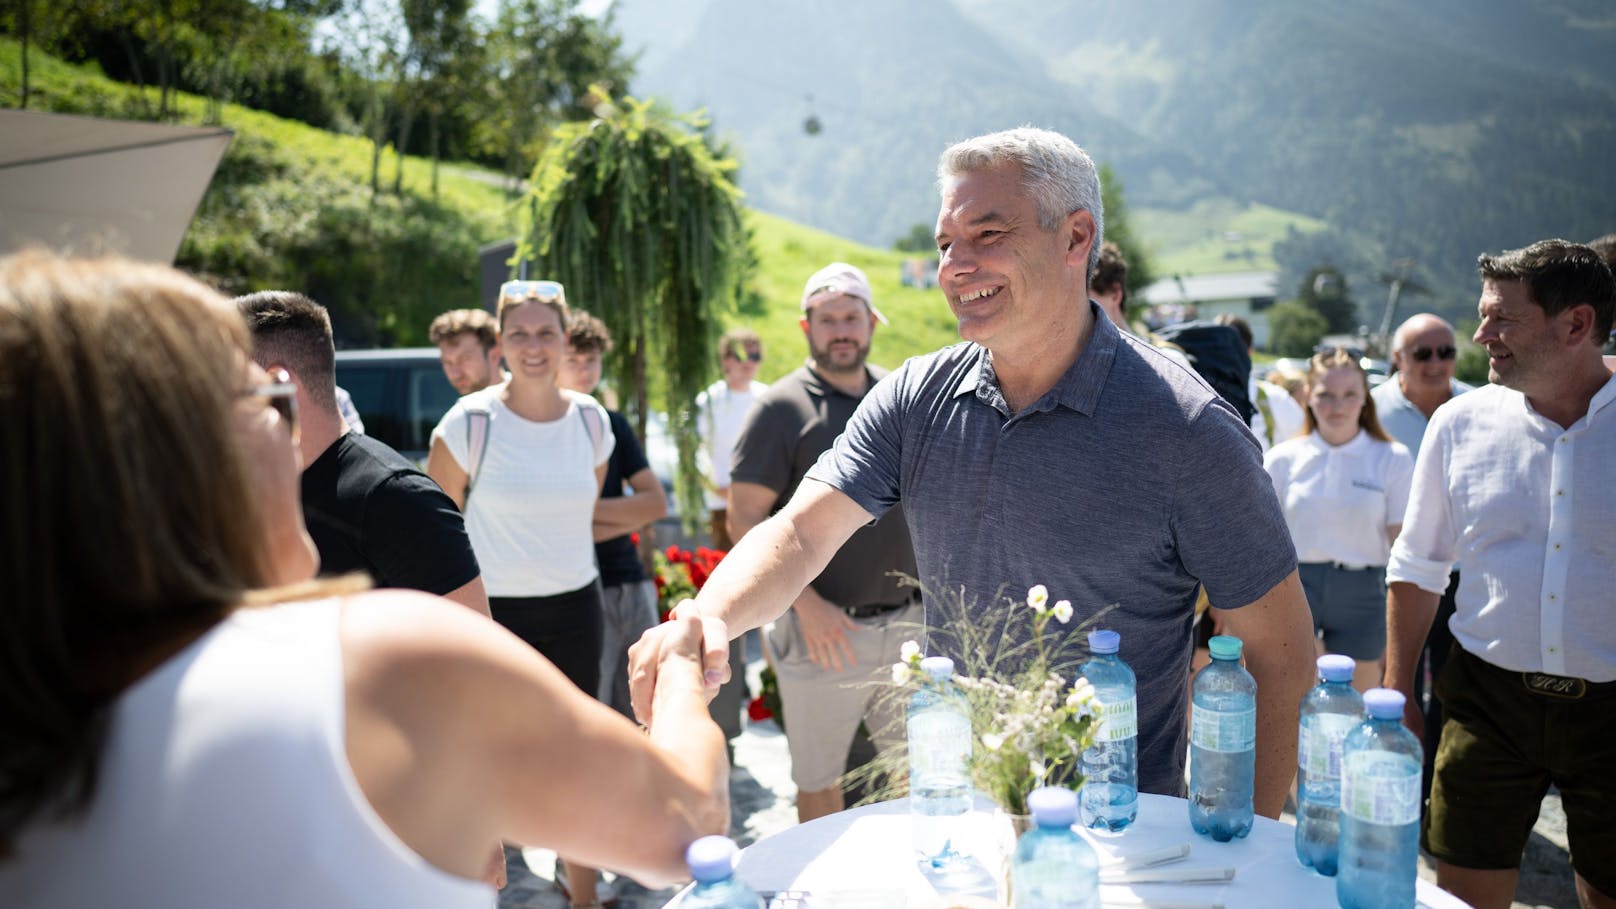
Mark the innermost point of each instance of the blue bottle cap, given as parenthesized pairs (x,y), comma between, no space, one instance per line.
(938,667)
(1053,806)
(1335,667)
(1225,647)
(711,858)
(1384,703)
(1104,640)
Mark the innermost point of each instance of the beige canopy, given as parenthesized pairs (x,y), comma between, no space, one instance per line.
(87,185)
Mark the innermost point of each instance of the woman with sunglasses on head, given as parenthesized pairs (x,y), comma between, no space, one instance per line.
(525,460)
(190,720)
(1343,484)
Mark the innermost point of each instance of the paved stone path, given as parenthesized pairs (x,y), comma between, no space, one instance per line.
(762,801)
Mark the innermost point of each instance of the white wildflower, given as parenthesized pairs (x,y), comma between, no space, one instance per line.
(992,740)
(909,651)
(900,673)
(1038,598)
(1063,611)
(1081,697)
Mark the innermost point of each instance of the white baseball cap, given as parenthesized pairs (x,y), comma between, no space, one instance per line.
(836,279)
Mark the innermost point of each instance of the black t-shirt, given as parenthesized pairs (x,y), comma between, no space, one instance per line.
(368,509)
(618,560)
(787,429)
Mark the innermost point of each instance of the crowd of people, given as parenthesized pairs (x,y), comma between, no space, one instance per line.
(255,656)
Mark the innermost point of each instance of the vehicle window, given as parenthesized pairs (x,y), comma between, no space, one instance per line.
(376,395)
(430,397)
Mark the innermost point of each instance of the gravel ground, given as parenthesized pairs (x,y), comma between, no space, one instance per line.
(762,802)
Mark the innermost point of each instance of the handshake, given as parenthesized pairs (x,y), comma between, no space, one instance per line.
(689,653)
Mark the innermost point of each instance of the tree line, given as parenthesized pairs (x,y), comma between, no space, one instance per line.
(427,77)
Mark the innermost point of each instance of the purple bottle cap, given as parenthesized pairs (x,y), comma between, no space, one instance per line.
(1335,667)
(1104,640)
(1384,703)
(1053,806)
(711,858)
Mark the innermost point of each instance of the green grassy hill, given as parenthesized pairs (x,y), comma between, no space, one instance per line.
(291,207)
(1217,235)
(789,254)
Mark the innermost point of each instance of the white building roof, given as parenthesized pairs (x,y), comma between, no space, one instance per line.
(1239,285)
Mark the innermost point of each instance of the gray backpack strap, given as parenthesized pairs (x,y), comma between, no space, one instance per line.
(592,426)
(478,421)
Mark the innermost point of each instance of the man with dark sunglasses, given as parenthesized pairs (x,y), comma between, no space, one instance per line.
(1424,354)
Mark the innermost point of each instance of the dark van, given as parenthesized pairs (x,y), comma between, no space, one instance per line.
(400,394)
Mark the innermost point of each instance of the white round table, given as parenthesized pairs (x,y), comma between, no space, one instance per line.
(864,857)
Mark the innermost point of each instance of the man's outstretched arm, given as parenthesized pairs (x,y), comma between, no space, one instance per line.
(1278,635)
(755,583)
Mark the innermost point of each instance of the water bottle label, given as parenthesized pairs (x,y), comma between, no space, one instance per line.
(1226,731)
(1320,745)
(1381,788)
(1118,721)
(939,742)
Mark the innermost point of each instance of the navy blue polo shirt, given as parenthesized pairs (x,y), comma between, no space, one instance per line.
(1126,485)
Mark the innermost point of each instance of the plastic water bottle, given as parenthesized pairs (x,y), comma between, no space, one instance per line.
(712,863)
(1380,808)
(1329,712)
(1110,793)
(1053,867)
(1223,744)
(939,729)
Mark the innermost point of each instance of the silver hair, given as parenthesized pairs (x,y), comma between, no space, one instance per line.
(1055,171)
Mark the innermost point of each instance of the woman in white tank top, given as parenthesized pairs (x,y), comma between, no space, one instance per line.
(174,739)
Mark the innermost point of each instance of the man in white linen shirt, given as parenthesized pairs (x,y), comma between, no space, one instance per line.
(1513,480)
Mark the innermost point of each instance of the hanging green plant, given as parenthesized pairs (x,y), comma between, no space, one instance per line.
(637,213)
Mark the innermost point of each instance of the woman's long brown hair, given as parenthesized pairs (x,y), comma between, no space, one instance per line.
(128,522)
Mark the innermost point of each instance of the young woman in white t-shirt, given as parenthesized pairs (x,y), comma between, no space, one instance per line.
(1343,484)
(528,480)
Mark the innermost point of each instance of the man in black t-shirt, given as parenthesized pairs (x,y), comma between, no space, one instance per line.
(628,597)
(366,506)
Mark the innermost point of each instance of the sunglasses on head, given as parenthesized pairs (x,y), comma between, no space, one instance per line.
(1325,350)
(1423,354)
(542,291)
(751,356)
(282,396)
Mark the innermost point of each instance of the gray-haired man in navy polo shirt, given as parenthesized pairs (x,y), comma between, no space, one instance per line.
(1049,448)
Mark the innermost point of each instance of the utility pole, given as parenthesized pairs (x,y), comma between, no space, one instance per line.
(1398,277)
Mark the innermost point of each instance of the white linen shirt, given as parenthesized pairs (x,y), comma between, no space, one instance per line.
(1339,499)
(1530,509)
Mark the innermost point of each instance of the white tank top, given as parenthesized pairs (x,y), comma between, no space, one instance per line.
(225,782)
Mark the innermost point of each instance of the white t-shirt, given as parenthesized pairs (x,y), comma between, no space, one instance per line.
(1339,500)
(1287,415)
(531,512)
(721,411)
(225,782)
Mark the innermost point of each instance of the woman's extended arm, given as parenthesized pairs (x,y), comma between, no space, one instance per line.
(459,733)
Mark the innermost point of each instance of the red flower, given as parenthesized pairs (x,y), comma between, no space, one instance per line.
(757,711)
